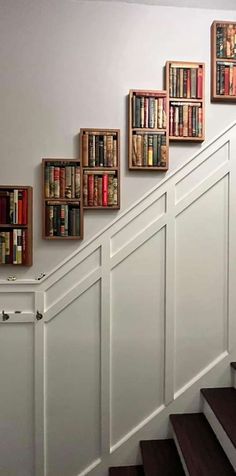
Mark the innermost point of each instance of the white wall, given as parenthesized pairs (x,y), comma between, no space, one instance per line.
(67,64)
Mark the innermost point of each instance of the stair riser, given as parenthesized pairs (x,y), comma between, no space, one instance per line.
(180,452)
(222,436)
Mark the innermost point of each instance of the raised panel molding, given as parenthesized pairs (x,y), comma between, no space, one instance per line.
(147,308)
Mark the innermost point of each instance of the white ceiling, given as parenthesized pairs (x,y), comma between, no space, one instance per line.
(208,4)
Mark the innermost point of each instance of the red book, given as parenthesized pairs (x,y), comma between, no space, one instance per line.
(104,190)
(20,207)
(62,182)
(226,80)
(234,81)
(199,82)
(24,207)
(90,190)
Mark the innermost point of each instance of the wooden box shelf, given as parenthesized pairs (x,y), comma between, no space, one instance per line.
(62,199)
(185,84)
(148,130)
(16,225)
(223,61)
(100,152)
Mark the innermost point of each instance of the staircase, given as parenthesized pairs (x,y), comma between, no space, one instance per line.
(203,444)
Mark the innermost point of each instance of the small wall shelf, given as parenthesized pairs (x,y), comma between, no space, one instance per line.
(16,225)
(148,130)
(100,152)
(62,199)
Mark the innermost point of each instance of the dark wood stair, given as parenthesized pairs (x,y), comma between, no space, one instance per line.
(126,471)
(195,449)
(201,451)
(160,458)
(223,403)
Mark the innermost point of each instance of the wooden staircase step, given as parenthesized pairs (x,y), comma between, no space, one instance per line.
(160,458)
(201,451)
(223,403)
(126,471)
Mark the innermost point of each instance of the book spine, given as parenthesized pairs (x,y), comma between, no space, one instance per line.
(110,201)
(150,150)
(115,191)
(90,190)
(56,182)
(68,186)
(77,181)
(85,189)
(62,182)
(47,181)
(199,82)
(105,190)
(85,146)
(20,207)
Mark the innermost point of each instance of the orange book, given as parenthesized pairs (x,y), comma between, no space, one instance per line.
(199,82)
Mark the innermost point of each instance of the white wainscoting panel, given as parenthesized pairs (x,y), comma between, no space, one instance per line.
(136,225)
(137,336)
(206,168)
(201,282)
(15,301)
(17,400)
(74,276)
(73,420)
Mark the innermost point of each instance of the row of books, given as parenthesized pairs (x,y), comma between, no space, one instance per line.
(62,181)
(62,219)
(99,150)
(148,111)
(100,189)
(226,40)
(185,82)
(13,207)
(149,150)
(185,119)
(12,246)
(226,78)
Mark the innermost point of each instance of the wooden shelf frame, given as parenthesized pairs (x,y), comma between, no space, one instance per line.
(47,201)
(193,100)
(147,131)
(99,170)
(225,61)
(27,253)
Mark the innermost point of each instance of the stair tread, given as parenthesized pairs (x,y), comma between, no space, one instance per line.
(223,403)
(126,471)
(233,364)
(202,453)
(160,458)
